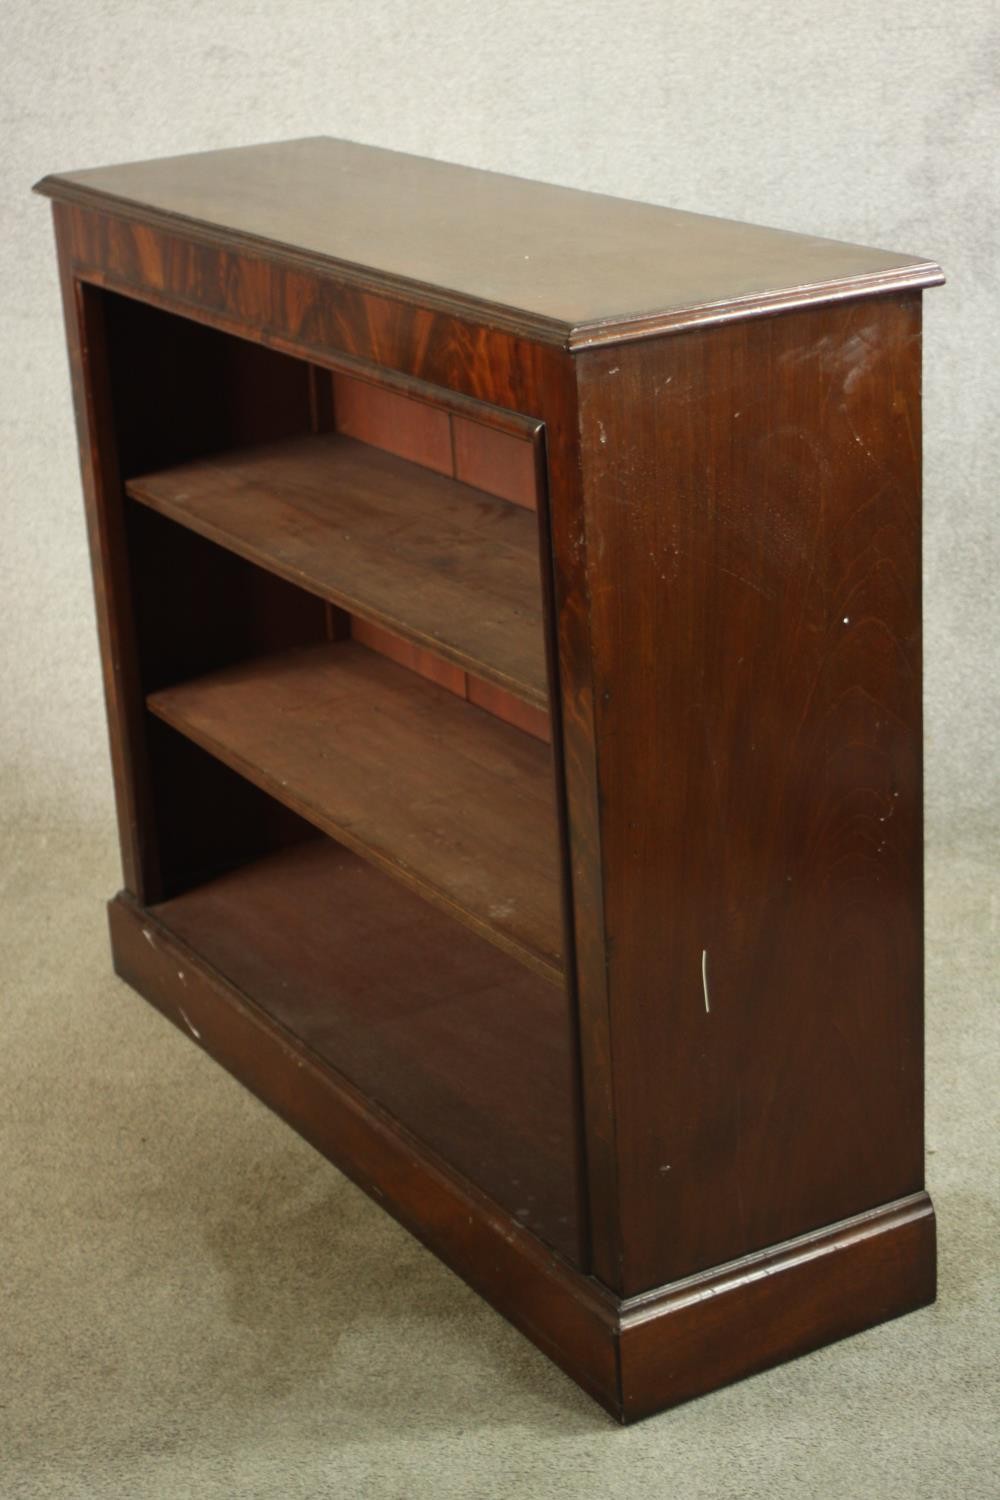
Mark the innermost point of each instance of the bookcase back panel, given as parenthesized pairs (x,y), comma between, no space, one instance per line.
(500,462)
(387,419)
(485,695)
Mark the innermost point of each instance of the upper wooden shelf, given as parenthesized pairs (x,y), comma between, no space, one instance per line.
(552,262)
(440,794)
(444,565)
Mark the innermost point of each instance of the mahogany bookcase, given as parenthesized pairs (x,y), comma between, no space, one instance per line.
(509,601)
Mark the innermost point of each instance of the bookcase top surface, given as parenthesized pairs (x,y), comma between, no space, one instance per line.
(547,261)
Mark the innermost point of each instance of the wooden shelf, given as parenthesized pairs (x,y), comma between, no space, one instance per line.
(444,565)
(437,792)
(460,1044)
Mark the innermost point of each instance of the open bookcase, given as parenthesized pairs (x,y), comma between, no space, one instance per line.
(342,653)
(509,606)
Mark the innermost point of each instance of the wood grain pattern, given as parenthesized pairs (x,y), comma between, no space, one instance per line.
(752,513)
(390,420)
(287,308)
(634,1355)
(434,561)
(511,710)
(566,1314)
(413,658)
(699,1334)
(728,520)
(434,791)
(428,1021)
(501,704)
(87,345)
(548,262)
(495,461)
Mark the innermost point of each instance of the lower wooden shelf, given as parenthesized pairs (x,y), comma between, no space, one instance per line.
(462,1045)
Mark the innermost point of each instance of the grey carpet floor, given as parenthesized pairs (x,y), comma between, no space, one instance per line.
(196,1304)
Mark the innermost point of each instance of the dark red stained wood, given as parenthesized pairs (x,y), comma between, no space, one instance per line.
(495,461)
(550,262)
(711,1329)
(634,1356)
(752,517)
(459,1043)
(205,817)
(435,561)
(424,663)
(387,419)
(485,695)
(732,612)
(440,794)
(175,389)
(286,308)
(181,390)
(566,1314)
(505,706)
(86,339)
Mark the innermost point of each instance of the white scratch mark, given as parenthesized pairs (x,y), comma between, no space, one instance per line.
(189,1023)
(180,976)
(748,582)
(614,369)
(600,428)
(704,979)
(149,937)
(859,350)
(847,619)
(665,1167)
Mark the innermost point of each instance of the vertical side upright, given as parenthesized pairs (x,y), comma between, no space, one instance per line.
(564,536)
(104,505)
(751,502)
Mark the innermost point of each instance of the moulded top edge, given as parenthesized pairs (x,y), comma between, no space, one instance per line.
(551,262)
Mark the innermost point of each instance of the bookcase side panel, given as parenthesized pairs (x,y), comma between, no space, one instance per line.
(752,509)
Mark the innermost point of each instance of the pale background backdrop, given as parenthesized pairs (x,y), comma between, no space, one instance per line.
(198,1305)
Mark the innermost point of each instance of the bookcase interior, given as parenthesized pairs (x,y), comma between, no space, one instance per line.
(339,611)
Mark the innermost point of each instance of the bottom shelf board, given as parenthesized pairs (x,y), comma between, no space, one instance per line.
(460,1043)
